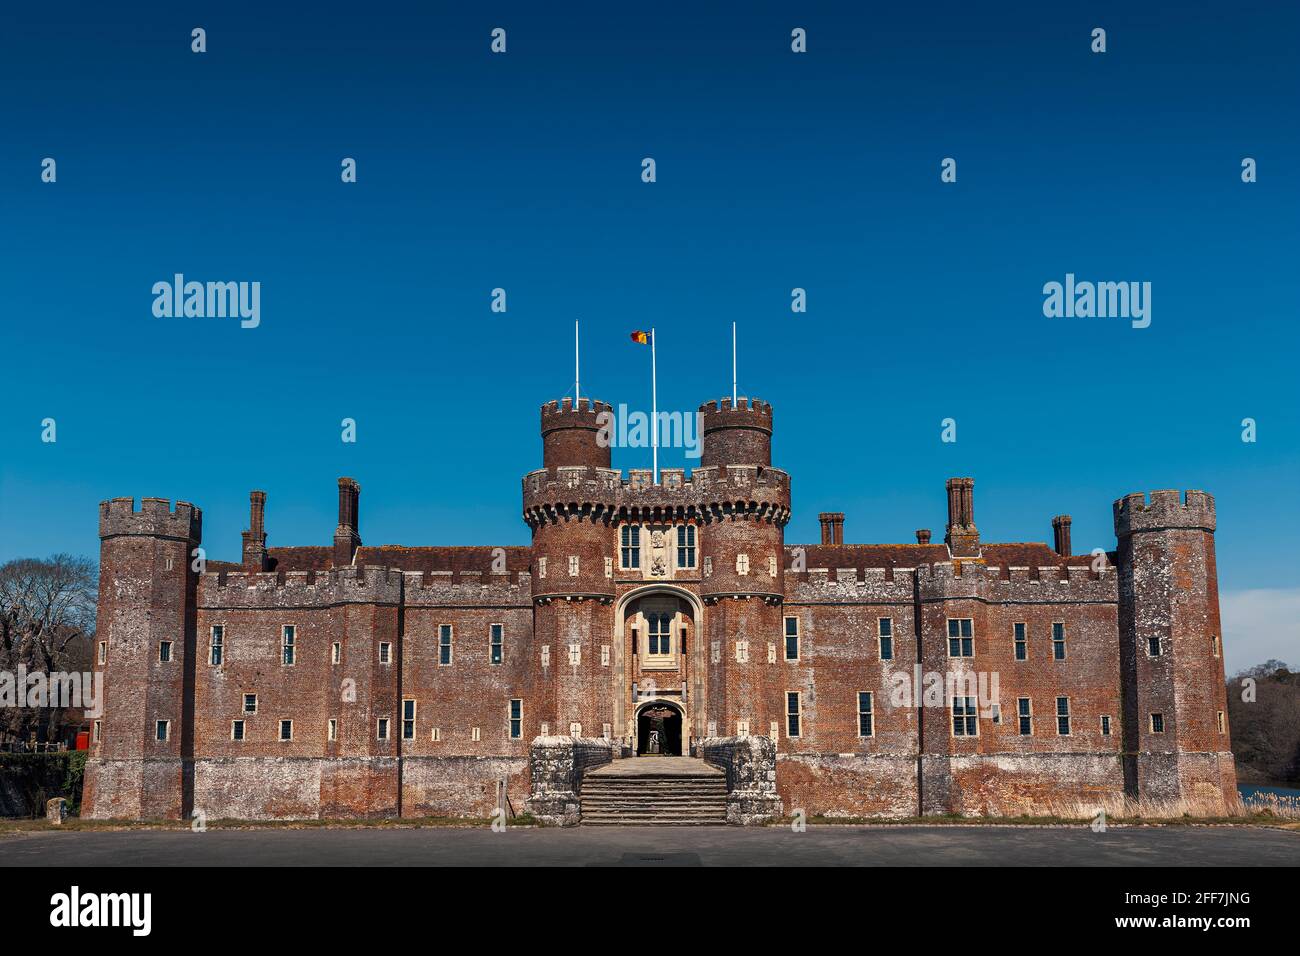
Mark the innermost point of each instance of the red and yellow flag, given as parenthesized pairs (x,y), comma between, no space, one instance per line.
(641,338)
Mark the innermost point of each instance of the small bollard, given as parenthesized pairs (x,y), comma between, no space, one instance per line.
(56,810)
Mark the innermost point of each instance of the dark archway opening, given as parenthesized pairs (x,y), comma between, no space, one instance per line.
(659,731)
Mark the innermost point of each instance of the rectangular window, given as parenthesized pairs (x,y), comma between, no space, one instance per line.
(162,729)
(385,652)
(436,734)
(686,546)
(164,652)
(250,703)
(791,638)
(336,653)
(286,730)
(1063,716)
(496,633)
(659,632)
(866,725)
(742,728)
(792,714)
(381,728)
(886,625)
(288,641)
(995,713)
(236,730)
(99,731)
(575,730)
(1153,645)
(517,718)
(1157,723)
(575,653)
(1058,641)
(408,719)
(1025,715)
(964,717)
(216,645)
(1219,721)
(630,551)
(1214,645)
(961,642)
(742,652)
(103,652)
(1021,641)
(444,644)
(1105,725)
(332,730)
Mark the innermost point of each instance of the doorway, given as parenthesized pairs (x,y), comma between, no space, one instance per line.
(659,731)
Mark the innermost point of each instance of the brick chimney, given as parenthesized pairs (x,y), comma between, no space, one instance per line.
(962,538)
(347,536)
(1061,535)
(922,535)
(255,536)
(832,527)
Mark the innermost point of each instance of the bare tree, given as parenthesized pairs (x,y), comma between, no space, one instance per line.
(47,623)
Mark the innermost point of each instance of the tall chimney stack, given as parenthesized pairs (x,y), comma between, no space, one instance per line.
(347,536)
(254,552)
(1061,535)
(832,527)
(922,535)
(962,538)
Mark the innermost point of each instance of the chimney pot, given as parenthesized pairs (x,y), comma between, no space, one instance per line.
(922,535)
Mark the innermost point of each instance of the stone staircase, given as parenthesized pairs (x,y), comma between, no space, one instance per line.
(655,791)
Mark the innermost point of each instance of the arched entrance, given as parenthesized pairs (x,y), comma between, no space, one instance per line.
(659,729)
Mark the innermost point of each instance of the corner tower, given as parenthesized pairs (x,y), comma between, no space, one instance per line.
(141,763)
(1176,744)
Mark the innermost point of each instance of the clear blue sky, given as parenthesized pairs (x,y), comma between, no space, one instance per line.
(775,170)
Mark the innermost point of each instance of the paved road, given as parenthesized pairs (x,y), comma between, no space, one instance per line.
(644,846)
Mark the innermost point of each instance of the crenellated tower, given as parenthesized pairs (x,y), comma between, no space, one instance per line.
(1176,743)
(141,763)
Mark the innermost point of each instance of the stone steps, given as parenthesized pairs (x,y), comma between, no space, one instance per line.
(655,800)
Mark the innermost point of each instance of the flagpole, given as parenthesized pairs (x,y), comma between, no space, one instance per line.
(733,364)
(654,410)
(576,378)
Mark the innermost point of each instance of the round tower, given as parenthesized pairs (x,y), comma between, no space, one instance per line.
(1175,726)
(572,434)
(739,435)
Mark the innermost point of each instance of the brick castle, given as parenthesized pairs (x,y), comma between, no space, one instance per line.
(346,680)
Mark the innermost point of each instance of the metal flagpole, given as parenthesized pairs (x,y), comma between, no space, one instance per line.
(654,410)
(733,364)
(576,378)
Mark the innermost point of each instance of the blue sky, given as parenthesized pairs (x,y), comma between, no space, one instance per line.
(775,171)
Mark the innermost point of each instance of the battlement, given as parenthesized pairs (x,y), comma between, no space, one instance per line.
(271,589)
(744,409)
(1165,509)
(1050,584)
(563,413)
(156,518)
(850,586)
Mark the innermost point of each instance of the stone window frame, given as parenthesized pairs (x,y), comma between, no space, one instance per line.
(165,652)
(1156,715)
(794,718)
(97,731)
(687,540)
(575,566)
(281,725)
(575,729)
(968,713)
(1020,640)
(476,734)
(1221,721)
(515,718)
(336,653)
(386,653)
(331,730)
(383,728)
(629,550)
(785,638)
(1153,641)
(1025,716)
(238,731)
(742,728)
(1063,717)
(1059,641)
(960,638)
(1105,725)
(435,735)
(103,652)
(216,645)
(288,645)
(742,652)
(881,637)
(246,696)
(447,631)
(496,643)
(408,723)
(165,724)
(1214,644)
(869,713)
